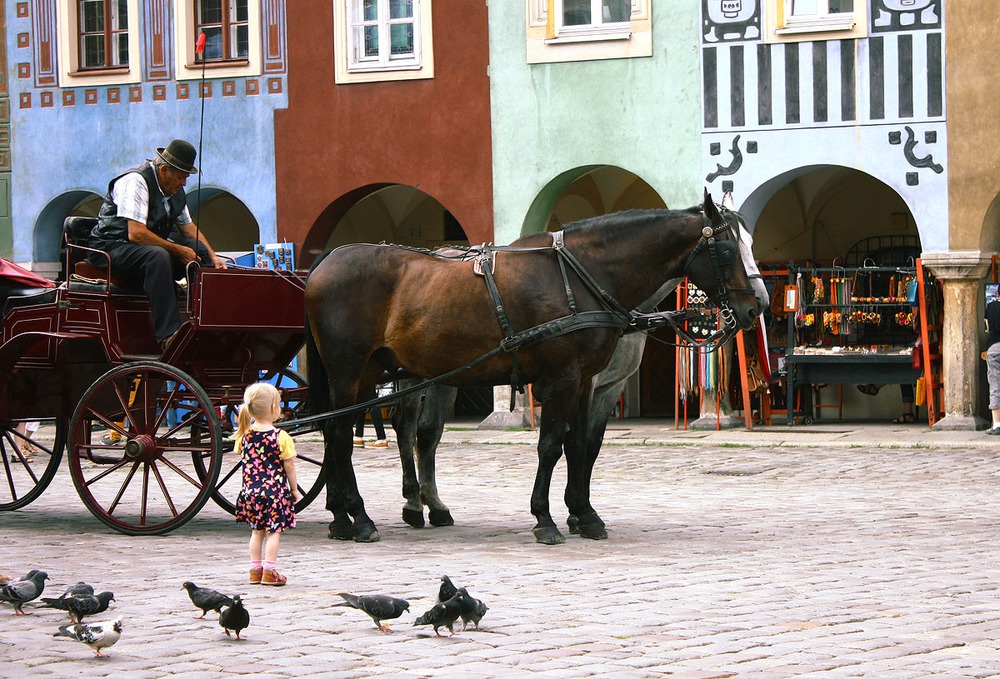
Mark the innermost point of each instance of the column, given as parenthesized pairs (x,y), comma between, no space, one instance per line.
(961,274)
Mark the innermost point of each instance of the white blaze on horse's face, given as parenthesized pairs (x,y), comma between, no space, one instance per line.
(746,253)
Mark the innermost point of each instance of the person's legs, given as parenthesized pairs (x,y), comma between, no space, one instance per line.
(152,267)
(256,544)
(378,424)
(271,576)
(993,378)
(906,393)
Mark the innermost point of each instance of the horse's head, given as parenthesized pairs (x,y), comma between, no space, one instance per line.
(723,269)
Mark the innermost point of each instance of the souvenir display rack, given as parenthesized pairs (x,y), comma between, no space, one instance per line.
(850,326)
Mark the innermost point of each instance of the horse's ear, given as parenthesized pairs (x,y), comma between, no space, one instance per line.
(710,210)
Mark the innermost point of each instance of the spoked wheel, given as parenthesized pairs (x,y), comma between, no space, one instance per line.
(308,467)
(146,483)
(27,465)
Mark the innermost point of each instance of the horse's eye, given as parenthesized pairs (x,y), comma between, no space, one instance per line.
(727,253)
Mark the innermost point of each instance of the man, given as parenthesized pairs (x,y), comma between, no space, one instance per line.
(992,356)
(146,229)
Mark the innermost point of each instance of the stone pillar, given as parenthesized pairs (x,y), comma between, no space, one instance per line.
(502,416)
(961,274)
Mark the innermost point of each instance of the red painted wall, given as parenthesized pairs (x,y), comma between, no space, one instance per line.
(430,134)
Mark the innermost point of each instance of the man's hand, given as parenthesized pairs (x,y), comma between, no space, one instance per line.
(184,253)
(218,262)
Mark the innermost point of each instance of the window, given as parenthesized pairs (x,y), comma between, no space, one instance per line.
(382,34)
(233,38)
(796,20)
(376,40)
(97,42)
(226,25)
(103,31)
(577,30)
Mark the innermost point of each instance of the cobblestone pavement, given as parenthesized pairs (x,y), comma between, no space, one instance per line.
(723,561)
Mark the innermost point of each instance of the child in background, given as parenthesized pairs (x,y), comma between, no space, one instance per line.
(270,488)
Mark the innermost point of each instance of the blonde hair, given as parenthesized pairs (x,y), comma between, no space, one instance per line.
(261,401)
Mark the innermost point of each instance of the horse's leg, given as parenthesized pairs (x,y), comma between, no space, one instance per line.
(404,423)
(551,436)
(341,526)
(579,465)
(363,528)
(438,402)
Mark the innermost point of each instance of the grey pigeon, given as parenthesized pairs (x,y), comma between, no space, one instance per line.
(447,589)
(97,635)
(80,588)
(80,606)
(207,599)
(379,607)
(444,614)
(20,592)
(473,609)
(234,617)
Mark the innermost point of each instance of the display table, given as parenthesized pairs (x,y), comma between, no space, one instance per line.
(845,368)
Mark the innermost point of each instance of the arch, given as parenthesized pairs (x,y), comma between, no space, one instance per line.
(989,236)
(588,191)
(226,221)
(391,213)
(820,211)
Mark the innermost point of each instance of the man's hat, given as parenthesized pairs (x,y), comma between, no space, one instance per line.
(179,154)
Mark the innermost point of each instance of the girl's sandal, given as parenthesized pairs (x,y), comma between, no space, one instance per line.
(905,418)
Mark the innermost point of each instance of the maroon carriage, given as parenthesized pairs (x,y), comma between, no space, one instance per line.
(146,433)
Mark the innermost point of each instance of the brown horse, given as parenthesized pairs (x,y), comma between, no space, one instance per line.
(378,309)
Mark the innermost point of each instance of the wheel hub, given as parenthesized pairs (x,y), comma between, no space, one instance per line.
(142,446)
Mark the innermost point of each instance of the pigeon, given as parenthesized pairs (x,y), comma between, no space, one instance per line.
(447,590)
(234,617)
(80,588)
(80,606)
(379,607)
(444,614)
(97,635)
(207,599)
(20,592)
(473,609)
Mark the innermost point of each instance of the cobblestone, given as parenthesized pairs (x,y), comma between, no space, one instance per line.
(762,558)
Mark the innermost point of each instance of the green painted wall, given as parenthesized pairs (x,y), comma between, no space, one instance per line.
(641,114)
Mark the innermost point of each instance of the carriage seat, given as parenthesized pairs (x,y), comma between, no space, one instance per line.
(81,274)
(18,297)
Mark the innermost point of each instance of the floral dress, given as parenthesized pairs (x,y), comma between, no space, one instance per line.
(265,501)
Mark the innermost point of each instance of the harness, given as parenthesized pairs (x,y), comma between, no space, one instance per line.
(614,315)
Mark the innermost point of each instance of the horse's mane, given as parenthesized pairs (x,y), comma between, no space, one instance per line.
(627,218)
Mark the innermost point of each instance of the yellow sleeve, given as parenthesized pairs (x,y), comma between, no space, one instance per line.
(286,444)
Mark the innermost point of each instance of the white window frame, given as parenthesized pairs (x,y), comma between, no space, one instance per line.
(384,60)
(782,26)
(67,30)
(190,68)
(549,40)
(352,67)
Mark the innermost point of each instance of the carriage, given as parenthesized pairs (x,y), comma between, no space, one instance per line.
(144,430)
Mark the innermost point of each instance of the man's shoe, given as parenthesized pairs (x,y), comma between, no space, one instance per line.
(995,431)
(273,578)
(381,443)
(359,442)
(255,575)
(112,439)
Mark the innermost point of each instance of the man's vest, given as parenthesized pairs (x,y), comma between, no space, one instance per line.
(160,219)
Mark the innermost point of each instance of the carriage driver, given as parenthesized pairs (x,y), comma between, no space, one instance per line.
(145,227)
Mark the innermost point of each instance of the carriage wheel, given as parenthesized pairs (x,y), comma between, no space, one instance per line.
(28,465)
(145,483)
(308,467)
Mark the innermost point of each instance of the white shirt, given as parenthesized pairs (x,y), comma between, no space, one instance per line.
(131,196)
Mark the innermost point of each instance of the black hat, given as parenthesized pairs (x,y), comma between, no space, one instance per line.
(179,154)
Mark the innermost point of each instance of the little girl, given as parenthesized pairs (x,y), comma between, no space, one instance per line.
(270,487)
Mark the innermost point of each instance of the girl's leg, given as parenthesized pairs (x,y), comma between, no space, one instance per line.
(271,548)
(256,543)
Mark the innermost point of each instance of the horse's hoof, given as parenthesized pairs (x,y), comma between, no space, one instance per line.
(366,533)
(413,517)
(593,532)
(573,523)
(548,535)
(340,530)
(441,517)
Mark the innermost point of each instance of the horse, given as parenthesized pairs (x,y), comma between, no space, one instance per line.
(419,417)
(383,310)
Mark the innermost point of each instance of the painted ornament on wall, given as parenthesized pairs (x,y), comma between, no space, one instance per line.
(730,169)
(921,161)
(905,15)
(730,20)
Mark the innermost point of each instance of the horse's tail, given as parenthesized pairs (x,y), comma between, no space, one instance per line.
(319,381)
